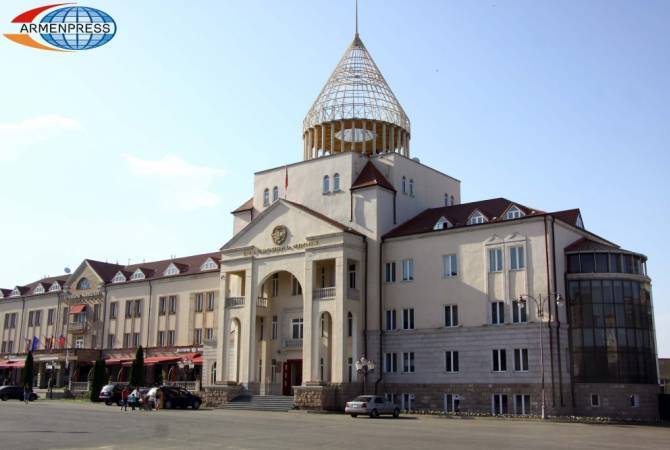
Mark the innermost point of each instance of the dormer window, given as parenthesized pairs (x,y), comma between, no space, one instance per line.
(513,213)
(16,293)
(119,277)
(404,185)
(84,284)
(336,182)
(54,287)
(476,218)
(138,275)
(442,224)
(39,289)
(266,197)
(208,265)
(326,184)
(275,194)
(171,270)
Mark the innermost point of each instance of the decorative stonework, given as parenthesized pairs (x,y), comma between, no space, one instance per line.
(279,234)
(216,396)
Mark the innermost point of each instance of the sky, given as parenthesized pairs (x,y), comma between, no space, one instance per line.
(138,150)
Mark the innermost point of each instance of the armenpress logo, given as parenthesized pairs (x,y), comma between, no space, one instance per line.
(63,28)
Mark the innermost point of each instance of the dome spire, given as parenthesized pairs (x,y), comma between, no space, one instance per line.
(356,18)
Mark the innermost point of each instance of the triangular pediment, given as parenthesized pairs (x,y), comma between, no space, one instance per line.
(284,223)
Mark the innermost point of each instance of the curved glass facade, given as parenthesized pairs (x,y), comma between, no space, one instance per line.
(612,330)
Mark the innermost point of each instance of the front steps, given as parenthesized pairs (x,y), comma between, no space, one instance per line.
(261,403)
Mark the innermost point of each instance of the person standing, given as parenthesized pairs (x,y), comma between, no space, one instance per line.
(159,398)
(124,399)
(134,398)
(26,393)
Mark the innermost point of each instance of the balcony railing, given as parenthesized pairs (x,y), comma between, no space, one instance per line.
(261,302)
(234,302)
(354,294)
(323,293)
(292,343)
(77,327)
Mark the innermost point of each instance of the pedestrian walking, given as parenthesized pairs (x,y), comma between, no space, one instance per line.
(26,393)
(124,399)
(159,399)
(134,398)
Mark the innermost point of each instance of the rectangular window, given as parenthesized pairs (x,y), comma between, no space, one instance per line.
(110,341)
(452,403)
(390,362)
(499,404)
(209,333)
(50,316)
(136,340)
(408,319)
(519,311)
(275,285)
(350,370)
(12,320)
(390,320)
(634,401)
(296,289)
(390,272)
(126,340)
(407,269)
(138,308)
(30,318)
(170,336)
(210,301)
(495,260)
(94,340)
(275,328)
(38,318)
(407,402)
(96,312)
(129,309)
(79,342)
(408,362)
(451,316)
(499,360)
(161,306)
(197,336)
(161,339)
(112,310)
(6,321)
(521,359)
(522,404)
(595,400)
(449,266)
(198,302)
(517,259)
(352,276)
(296,328)
(451,361)
(173,304)
(497,313)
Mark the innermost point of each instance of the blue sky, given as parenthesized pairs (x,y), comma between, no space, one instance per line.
(141,148)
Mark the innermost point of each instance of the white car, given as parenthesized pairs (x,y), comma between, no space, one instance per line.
(371,405)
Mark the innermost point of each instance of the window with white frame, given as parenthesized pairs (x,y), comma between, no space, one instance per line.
(275,327)
(451,361)
(199,302)
(451,315)
(173,304)
(497,313)
(84,283)
(499,360)
(408,319)
(110,340)
(521,404)
(171,270)
(326,184)
(442,224)
(390,319)
(170,337)
(79,342)
(126,340)
(513,213)
(336,182)
(452,403)
(519,311)
(390,362)
(38,318)
(54,287)
(137,275)
(266,197)
(136,340)
(352,276)
(51,314)
(390,272)
(138,308)
(407,402)
(449,266)
(208,265)
(209,333)
(129,309)
(39,289)
(499,404)
(162,305)
(517,260)
(475,218)
(407,269)
(160,341)
(197,336)
(296,328)
(296,289)
(275,194)
(408,362)
(112,310)
(495,260)
(521,359)
(274,285)
(211,298)
(15,293)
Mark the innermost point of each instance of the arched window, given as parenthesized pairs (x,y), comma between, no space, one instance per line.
(350,324)
(275,194)
(326,184)
(84,284)
(411,187)
(336,182)
(266,197)
(451,200)
(446,199)
(404,185)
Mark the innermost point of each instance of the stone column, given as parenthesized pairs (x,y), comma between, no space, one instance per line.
(308,374)
(247,355)
(223,318)
(339,359)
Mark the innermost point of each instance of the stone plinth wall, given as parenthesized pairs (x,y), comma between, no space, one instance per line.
(217,395)
(616,402)
(315,398)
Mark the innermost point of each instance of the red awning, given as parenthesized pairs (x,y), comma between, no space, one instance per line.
(76,309)
(114,361)
(160,359)
(197,360)
(15,364)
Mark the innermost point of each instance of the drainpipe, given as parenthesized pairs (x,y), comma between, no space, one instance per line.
(381,336)
(558,319)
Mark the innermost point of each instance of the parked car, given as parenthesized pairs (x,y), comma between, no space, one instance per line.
(176,397)
(111,393)
(14,392)
(371,405)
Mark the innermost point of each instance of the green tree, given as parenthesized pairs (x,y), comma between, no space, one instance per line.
(98,380)
(28,370)
(137,368)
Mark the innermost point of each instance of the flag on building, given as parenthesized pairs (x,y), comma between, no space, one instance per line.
(36,343)
(61,341)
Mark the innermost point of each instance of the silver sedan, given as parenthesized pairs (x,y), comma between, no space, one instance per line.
(371,405)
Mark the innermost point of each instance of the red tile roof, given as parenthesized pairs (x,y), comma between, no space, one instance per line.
(371,176)
(187,265)
(105,270)
(6,292)
(246,206)
(569,215)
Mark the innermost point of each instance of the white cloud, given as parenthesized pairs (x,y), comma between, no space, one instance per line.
(15,136)
(182,184)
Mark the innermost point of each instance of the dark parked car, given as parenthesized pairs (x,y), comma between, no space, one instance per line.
(176,397)
(14,392)
(111,394)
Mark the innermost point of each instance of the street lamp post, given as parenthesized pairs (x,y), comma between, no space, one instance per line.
(363,366)
(539,304)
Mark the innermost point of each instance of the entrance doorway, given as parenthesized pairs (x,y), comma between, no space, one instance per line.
(291,375)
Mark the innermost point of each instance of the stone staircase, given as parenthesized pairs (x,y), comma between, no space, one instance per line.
(261,403)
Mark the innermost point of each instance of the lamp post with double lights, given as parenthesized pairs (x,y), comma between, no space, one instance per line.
(363,367)
(539,304)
